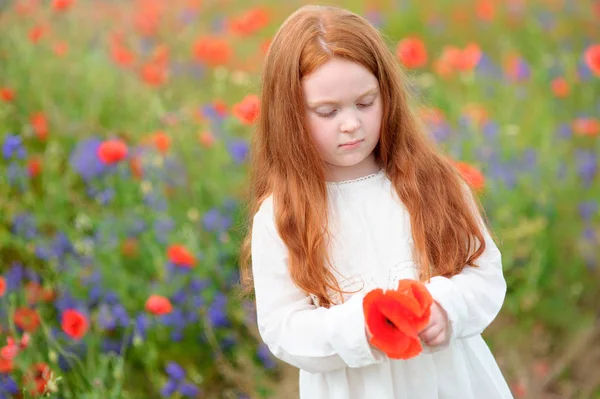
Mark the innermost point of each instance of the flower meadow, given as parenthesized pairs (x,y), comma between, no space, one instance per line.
(124,135)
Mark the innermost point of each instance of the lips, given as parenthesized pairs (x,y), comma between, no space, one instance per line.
(351,142)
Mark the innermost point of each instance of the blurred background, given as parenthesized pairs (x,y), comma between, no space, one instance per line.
(124,128)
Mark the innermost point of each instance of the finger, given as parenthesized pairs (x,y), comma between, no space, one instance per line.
(438,339)
(431,332)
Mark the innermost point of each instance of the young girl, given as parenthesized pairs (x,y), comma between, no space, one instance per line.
(348,195)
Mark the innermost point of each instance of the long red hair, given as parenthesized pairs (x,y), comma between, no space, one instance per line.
(286,164)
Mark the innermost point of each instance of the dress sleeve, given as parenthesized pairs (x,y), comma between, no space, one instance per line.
(296,331)
(473,298)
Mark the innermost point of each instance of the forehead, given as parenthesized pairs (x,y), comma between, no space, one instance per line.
(338,80)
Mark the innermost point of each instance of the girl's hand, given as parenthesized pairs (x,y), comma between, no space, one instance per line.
(437,331)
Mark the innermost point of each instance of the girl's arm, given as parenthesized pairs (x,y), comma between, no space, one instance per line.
(311,338)
(473,298)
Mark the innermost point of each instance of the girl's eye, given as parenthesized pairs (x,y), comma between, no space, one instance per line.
(332,113)
(327,115)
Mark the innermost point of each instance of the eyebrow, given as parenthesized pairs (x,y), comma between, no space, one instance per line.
(331,102)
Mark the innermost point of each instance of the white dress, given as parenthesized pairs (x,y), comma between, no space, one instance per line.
(371,248)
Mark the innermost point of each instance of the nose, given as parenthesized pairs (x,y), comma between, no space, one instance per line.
(350,124)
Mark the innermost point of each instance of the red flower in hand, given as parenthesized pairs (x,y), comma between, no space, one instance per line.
(396,317)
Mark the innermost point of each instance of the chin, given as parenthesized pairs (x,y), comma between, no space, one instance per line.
(352,162)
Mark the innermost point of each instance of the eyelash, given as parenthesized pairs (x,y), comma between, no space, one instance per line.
(330,114)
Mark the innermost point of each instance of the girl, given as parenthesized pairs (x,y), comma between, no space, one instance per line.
(348,195)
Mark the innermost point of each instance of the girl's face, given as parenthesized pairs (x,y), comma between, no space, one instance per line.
(344,110)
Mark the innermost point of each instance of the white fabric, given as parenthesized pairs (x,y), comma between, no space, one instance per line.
(370,248)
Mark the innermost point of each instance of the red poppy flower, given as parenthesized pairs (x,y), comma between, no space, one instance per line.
(34,166)
(412,52)
(454,59)
(37,377)
(180,256)
(432,116)
(247,110)
(2,286)
(10,351)
(160,55)
(560,87)
(592,58)
(161,141)
(27,319)
(264,46)
(485,10)
(220,107)
(586,127)
(74,323)
(33,292)
(158,305)
(25,8)
(6,365)
(471,174)
(121,54)
(147,19)
(61,5)
(476,113)
(396,317)
(135,165)
(130,247)
(7,94)
(25,338)
(40,125)
(36,33)
(206,139)
(112,151)
(213,51)
(472,55)
(60,48)
(515,67)
(154,74)
(249,22)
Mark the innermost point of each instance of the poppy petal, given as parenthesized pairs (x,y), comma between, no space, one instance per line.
(412,349)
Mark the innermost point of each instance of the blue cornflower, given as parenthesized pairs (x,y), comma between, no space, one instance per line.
(13,146)
(7,386)
(587,165)
(564,131)
(142,323)
(24,226)
(14,276)
(62,245)
(266,358)
(238,149)
(176,382)
(85,161)
(587,209)
(16,176)
(106,320)
(198,284)
(214,220)
(179,297)
(162,227)
(217,312)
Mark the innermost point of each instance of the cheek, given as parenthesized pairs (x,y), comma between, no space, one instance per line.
(319,131)
(374,123)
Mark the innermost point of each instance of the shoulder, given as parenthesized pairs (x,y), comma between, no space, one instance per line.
(264,218)
(263,225)
(266,211)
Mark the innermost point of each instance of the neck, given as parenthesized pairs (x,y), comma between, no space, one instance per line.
(336,173)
